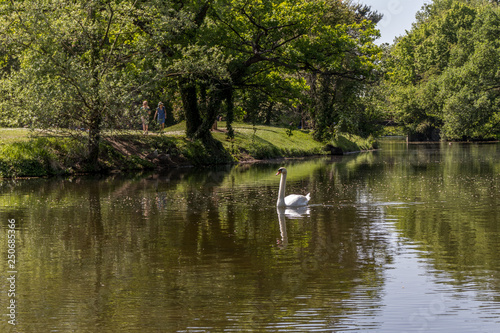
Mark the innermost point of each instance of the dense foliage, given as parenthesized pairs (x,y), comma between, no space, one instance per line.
(443,77)
(89,64)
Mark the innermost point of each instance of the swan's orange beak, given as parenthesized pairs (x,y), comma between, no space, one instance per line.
(278,173)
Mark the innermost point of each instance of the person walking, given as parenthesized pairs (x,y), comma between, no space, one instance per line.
(160,111)
(145,112)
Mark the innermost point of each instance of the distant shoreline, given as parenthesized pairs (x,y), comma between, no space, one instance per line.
(23,154)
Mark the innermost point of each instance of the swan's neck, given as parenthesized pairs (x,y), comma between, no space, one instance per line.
(281,193)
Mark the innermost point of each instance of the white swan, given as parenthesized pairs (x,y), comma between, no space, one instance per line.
(293,200)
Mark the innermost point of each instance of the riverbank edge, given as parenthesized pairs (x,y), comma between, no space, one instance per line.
(46,156)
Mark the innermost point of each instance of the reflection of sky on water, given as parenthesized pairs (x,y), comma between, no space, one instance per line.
(416,296)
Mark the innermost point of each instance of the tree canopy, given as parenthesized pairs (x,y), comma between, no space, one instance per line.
(89,64)
(444,74)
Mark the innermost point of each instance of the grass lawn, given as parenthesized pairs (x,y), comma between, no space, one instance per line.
(27,153)
(269,142)
(9,135)
(263,142)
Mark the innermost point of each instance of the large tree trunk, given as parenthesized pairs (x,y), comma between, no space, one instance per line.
(230,112)
(324,114)
(269,113)
(94,138)
(190,105)
(196,126)
(213,105)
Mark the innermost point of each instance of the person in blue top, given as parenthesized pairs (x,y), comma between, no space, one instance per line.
(160,111)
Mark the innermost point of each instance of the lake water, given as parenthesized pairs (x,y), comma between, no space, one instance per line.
(404,239)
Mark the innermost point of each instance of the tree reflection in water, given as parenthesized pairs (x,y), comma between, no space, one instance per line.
(197,249)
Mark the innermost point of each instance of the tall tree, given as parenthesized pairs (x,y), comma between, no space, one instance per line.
(225,50)
(74,59)
(444,75)
(82,64)
(274,45)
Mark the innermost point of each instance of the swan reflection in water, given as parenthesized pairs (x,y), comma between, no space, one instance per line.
(291,213)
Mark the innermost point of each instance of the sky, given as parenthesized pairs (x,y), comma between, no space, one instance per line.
(398,16)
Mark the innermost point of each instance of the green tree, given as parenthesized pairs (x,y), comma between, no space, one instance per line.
(343,74)
(188,58)
(280,47)
(232,54)
(444,73)
(75,60)
(85,64)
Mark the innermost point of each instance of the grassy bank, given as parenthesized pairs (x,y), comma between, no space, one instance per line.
(23,154)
